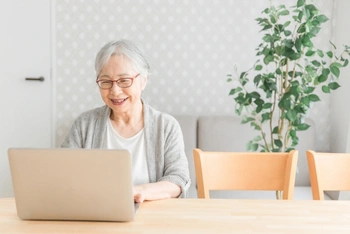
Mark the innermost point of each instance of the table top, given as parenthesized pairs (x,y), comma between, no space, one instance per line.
(202,216)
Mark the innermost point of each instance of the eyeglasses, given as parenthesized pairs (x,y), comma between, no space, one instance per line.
(122,82)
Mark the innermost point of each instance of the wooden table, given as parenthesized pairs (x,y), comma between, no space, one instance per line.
(202,216)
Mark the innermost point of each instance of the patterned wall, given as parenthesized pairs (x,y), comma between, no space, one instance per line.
(192,45)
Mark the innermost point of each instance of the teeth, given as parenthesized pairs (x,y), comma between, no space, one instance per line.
(119,100)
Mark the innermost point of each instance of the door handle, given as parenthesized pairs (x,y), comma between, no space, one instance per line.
(35,79)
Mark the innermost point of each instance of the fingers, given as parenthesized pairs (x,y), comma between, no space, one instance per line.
(139,197)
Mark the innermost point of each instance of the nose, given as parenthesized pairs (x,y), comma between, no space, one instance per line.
(116,89)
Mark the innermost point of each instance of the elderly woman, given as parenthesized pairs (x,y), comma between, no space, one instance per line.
(160,167)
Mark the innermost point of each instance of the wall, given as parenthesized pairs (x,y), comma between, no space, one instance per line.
(340,99)
(192,46)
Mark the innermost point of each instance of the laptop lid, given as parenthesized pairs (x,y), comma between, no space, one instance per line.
(72,184)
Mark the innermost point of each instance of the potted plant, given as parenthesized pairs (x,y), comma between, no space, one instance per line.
(286,76)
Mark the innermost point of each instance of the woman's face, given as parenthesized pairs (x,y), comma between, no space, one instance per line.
(121,100)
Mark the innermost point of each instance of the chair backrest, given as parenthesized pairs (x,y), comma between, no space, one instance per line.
(245,171)
(328,172)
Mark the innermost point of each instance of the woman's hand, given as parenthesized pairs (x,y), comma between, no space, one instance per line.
(156,191)
(139,196)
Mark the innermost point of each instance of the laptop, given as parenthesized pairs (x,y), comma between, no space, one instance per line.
(72,184)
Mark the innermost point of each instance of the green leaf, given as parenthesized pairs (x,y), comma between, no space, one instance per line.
(265,116)
(335,71)
(310,53)
(267,38)
(256,127)
(333,85)
(266,27)
(284,12)
(257,138)
(311,8)
(302,127)
(257,79)
(287,33)
(267,105)
(278,71)
(289,43)
(286,24)
(300,3)
(255,147)
(316,63)
(255,95)
(283,62)
(243,74)
(243,81)
(280,50)
(309,90)
(236,90)
(320,53)
(325,71)
(249,145)
(334,47)
(278,143)
(314,31)
(293,133)
(291,115)
(258,67)
(258,109)
(275,130)
(346,62)
(259,102)
(272,19)
(305,101)
(239,109)
(294,56)
(298,44)
(326,89)
(322,18)
(300,17)
(337,64)
(306,41)
(314,98)
(268,59)
(246,119)
(321,78)
(315,23)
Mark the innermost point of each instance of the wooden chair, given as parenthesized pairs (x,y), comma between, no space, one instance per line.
(245,171)
(328,172)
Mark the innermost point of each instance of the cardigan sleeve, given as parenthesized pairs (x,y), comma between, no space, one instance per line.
(176,168)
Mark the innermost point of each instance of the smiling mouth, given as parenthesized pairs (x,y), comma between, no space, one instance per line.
(118,101)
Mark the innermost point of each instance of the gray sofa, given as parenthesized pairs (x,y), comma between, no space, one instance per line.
(226,133)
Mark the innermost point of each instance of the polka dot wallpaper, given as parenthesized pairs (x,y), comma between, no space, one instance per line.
(191,45)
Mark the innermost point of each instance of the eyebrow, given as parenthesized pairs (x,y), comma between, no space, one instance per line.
(119,75)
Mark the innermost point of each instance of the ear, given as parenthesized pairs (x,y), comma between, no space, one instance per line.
(143,82)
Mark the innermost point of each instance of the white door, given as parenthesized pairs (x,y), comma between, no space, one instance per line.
(25,105)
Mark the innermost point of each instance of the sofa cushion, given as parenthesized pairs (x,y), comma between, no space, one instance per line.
(226,133)
(300,193)
(188,126)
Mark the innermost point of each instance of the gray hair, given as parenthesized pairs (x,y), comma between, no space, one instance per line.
(125,48)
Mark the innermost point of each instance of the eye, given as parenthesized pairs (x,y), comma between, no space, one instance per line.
(105,81)
(123,80)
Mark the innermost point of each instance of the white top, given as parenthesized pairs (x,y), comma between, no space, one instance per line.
(136,146)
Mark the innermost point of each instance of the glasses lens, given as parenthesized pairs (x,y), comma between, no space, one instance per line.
(124,82)
(105,84)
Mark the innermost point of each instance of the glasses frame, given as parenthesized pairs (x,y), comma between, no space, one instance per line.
(116,81)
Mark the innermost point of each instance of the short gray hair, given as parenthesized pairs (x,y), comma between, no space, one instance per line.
(125,48)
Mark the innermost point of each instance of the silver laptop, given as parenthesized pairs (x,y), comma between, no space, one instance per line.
(72,184)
